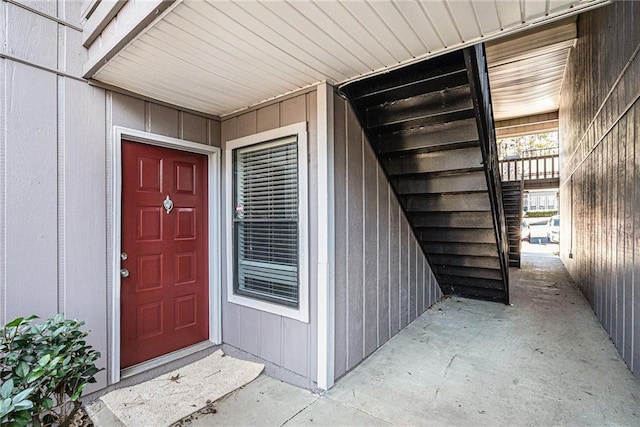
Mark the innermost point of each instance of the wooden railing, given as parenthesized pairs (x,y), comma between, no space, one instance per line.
(530,168)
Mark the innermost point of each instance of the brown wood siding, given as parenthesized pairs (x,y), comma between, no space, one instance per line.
(383,281)
(600,170)
(285,342)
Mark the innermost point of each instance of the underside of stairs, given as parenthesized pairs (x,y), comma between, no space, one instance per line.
(512,202)
(431,126)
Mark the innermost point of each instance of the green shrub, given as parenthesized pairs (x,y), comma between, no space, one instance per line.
(43,370)
(539,214)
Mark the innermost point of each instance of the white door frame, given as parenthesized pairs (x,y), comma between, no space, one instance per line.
(215,305)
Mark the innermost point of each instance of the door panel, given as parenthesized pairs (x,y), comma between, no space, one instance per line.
(164,300)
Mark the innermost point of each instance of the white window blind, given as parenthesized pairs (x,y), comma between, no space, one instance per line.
(266,221)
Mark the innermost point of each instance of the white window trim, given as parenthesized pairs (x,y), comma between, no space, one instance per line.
(215,294)
(300,313)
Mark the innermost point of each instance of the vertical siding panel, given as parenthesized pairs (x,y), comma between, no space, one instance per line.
(629,228)
(383,256)
(597,299)
(248,329)
(394,264)
(611,227)
(295,354)
(127,111)
(32,37)
(270,338)
(370,249)
(214,133)
(229,129)
(417,273)
(413,302)
(419,281)
(355,237)
(31,184)
(84,196)
(247,124)
(163,120)
(606,296)
(292,110)
(619,230)
(434,292)
(404,271)
(604,207)
(193,128)
(635,349)
(341,227)
(610,256)
(268,117)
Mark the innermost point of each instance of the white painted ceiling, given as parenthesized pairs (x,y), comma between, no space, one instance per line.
(526,70)
(218,57)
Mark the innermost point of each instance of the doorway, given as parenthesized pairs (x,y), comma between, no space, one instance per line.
(166,290)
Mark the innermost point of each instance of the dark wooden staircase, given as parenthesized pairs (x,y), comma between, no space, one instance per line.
(431,126)
(512,201)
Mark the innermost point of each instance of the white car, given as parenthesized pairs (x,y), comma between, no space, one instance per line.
(553,229)
(525,231)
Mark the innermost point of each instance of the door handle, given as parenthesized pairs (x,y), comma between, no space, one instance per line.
(124,272)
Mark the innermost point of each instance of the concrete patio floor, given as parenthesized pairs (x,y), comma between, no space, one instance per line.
(545,360)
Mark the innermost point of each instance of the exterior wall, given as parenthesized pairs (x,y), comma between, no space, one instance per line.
(600,170)
(285,342)
(382,279)
(55,170)
(540,201)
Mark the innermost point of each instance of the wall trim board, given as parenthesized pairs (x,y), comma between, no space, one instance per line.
(215,296)
(41,67)
(44,15)
(3,193)
(61,138)
(326,240)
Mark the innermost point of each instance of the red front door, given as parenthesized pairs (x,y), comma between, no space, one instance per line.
(164,299)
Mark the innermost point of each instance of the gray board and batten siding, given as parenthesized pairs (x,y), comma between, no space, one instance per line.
(55,170)
(285,342)
(382,278)
(600,170)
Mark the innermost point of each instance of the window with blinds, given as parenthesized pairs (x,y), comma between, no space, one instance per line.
(265,197)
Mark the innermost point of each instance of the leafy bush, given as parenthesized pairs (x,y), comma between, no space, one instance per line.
(43,370)
(539,214)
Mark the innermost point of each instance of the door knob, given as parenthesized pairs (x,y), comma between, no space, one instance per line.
(124,272)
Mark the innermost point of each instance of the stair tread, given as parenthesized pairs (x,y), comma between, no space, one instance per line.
(427,124)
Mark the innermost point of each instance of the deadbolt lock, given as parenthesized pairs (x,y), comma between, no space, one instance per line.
(124,256)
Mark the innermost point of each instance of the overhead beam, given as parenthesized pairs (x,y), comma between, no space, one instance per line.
(538,123)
